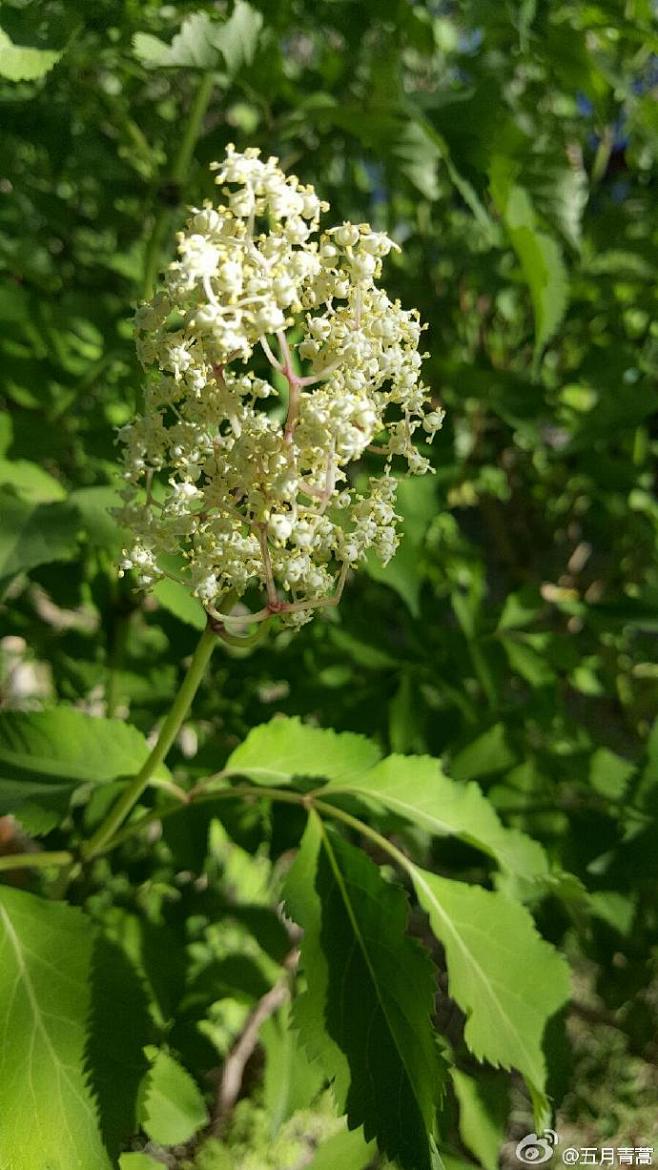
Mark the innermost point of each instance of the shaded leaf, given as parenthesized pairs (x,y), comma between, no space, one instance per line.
(609,773)
(539,255)
(177,600)
(95,506)
(291,1081)
(46,755)
(30,481)
(416,505)
(204,43)
(191,48)
(34,534)
(119,1029)
(483,1115)
(487,754)
(366,1011)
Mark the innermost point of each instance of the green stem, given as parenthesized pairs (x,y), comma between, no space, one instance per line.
(192,130)
(178,174)
(34,860)
(307,800)
(602,156)
(339,814)
(168,732)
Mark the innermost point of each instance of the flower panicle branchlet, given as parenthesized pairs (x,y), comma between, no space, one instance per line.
(250,496)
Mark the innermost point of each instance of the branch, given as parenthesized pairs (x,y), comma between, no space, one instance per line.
(236,1061)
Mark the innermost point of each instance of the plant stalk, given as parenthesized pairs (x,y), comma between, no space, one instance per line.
(168,732)
(34,860)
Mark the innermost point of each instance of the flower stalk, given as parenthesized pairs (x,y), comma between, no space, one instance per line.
(168,732)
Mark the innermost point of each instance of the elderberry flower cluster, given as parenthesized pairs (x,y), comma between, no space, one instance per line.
(274,362)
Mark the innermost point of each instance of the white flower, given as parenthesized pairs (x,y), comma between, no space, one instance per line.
(253,494)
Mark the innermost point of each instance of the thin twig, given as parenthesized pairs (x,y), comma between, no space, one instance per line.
(236,1061)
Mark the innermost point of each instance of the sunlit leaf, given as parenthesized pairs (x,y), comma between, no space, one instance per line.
(506,979)
(276,752)
(47,1113)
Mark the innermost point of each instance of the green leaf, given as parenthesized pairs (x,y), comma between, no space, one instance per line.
(405,724)
(609,773)
(560,193)
(46,755)
(348,1150)
(416,505)
(483,1116)
(506,979)
(172,1108)
(237,39)
(417,156)
(47,1114)
(204,43)
(366,1011)
(463,186)
(363,653)
(486,755)
(30,481)
(191,48)
(138,1162)
(415,788)
(175,598)
(525,660)
(291,1081)
(120,1027)
(520,609)
(95,506)
(618,910)
(539,255)
(23,63)
(34,534)
(276,752)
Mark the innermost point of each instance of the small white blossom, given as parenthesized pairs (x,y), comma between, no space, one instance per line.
(251,496)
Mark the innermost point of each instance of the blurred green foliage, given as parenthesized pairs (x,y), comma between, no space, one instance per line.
(510,148)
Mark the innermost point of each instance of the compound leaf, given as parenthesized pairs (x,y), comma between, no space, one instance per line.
(47,1113)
